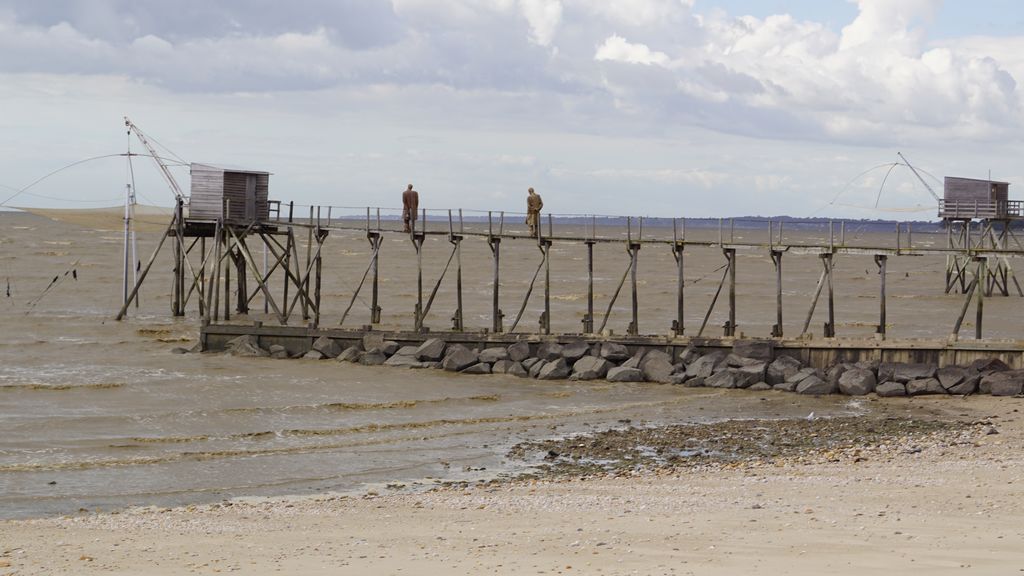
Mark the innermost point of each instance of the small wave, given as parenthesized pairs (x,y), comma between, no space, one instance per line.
(56,387)
(398,404)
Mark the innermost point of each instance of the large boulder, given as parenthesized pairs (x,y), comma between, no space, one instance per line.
(836,372)
(903,373)
(805,373)
(328,347)
(736,361)
(968,386)
(246,346)
(635,360)
(516,369)
(478,368)
(431,350)
(924,386)
(313,355)
(857,382)
(653,355)
(458,358)
(656,368)
(723,379)
(404,360)
(620,374)
(890,389)
(751,373)
(590,368)
(529,362)
(702,367)
(390,347)
(989,365)
(373,340)
(694,383)
(350,354)
(536,367)
(372,357)
(519,351)
(781,369)
(549,351)
(278,351)
(501,366)
(950,376)
(816,386)
(1006,383)
(614,352)
(492,355)
(688,355)
(763,350)
(573,351)
(554,370)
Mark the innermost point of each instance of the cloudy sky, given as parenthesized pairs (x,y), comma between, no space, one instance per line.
(641,107)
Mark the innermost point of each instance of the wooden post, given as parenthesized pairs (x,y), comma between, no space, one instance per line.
(227,286)
(179,268)
(678,325)
(222,244)
(375,241)
(243,285)
(634,257)
(730,327)
(982,272)
(546,319)
(495,243)
(202,277)
(288,249)
(417,242)
(880,261)
(319,270)
(830,326)
(588,320)
(777,330)
(309,256)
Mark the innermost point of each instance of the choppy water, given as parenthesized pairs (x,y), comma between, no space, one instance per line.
(98,414)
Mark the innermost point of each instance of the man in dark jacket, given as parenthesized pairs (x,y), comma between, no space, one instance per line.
(410,207)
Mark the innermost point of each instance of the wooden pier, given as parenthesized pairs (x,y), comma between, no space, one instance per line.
(215,258)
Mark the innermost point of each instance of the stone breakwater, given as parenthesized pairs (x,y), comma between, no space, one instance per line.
(751,364)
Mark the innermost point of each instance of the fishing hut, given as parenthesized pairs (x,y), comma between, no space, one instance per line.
(226,211)
(979,215)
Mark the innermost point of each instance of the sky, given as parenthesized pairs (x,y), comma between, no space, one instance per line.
(687,108)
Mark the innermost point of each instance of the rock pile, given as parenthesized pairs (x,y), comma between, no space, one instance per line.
(751,365)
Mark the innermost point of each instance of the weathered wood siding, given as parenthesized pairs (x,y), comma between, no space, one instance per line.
(969,190)
(207,192)
(235,195)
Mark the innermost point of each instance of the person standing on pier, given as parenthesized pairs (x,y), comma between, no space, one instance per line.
(410,207)
(533,206)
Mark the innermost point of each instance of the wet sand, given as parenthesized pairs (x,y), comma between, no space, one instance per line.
(936,504)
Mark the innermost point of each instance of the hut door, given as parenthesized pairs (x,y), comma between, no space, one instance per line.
(250,197)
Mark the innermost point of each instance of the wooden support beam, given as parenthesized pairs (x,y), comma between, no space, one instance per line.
(969,296)
(830,326)
(588,318)
(814,303)
(982,271)
(417,243)
(730,326)
(145,271)
(634,257)
(529,291)
(714,300)
(249,261)
(496,315)
(615,296)
(777,329)
(677,325)
(375,241)
(545,320)
(880,261)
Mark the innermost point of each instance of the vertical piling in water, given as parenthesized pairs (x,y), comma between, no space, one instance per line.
(830,326)
(495,243)
(730,326)
(777,330)
(677,251)
(588,319)
(982,273)
(880,261)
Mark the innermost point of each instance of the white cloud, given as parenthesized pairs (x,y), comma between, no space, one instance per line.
(544,17)
(617,49)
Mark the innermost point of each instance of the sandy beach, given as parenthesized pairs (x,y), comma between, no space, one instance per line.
(943,501)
